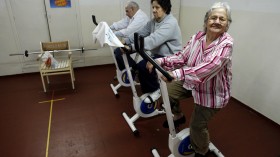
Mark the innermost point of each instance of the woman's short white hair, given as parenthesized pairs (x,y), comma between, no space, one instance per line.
(215,6)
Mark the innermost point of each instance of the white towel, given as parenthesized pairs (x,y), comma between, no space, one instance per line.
(104,34)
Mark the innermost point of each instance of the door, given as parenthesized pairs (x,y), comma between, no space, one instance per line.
(31,27)
(30,22)
(64,21)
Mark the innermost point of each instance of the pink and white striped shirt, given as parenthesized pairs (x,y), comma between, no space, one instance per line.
(205,71)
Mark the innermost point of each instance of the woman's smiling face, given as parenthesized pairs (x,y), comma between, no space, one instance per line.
(217,21)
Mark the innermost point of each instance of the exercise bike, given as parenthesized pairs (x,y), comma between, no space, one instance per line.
(121,75)
(179,143)
(141,108)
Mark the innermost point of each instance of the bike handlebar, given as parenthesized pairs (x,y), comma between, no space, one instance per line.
(147,57)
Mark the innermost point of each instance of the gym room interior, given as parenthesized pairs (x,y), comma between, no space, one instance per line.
(87,121)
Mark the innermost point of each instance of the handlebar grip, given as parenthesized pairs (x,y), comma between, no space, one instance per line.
(94,20)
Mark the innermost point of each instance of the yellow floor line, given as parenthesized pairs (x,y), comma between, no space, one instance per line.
(50,121)
(51,100)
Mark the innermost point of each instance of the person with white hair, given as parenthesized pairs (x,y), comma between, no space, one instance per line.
(134,20)
(202,70)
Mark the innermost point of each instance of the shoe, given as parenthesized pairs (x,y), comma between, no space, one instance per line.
(153,97)
(177,122)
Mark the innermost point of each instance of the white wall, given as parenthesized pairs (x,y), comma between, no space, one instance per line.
(256,66)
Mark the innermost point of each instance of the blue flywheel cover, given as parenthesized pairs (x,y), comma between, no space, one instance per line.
(148,108)
(185,146)
(125,77)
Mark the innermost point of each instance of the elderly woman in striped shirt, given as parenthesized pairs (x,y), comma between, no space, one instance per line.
(204,73)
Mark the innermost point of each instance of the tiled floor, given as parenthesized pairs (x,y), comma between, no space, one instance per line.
(88,122)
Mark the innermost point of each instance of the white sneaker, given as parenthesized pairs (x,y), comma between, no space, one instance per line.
(153,96)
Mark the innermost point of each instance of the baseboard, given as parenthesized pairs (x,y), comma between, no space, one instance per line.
(254,111)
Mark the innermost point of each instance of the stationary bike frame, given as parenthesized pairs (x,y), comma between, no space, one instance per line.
(122,76)
(141,108)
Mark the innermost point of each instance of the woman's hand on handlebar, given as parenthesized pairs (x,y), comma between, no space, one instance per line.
(165,79)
